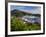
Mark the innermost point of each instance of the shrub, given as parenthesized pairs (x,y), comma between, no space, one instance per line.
(19,25)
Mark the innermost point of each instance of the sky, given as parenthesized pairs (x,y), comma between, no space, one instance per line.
(28,9)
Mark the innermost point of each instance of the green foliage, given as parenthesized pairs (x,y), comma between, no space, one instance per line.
(19,25)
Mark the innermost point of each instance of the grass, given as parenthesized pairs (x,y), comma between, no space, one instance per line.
(19,25)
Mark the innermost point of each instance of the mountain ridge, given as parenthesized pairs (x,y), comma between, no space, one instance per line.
(15,11)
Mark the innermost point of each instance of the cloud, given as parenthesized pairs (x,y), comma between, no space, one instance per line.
(28,9)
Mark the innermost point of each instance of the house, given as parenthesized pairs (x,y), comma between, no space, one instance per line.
(31,19)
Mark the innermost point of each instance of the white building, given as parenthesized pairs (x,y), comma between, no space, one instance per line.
(32,19)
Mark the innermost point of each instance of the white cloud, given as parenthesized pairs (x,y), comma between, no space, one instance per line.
(33,11)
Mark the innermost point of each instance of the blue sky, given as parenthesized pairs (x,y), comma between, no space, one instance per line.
(29,9)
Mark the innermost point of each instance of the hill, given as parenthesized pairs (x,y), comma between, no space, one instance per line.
(22,13)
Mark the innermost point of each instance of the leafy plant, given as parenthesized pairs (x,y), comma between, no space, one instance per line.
(19,25)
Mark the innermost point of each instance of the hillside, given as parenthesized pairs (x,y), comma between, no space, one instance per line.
(22,13)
